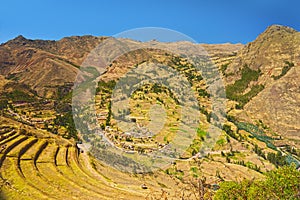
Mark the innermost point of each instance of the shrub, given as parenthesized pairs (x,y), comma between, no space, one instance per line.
(282,183)
(235,91)
(284,70)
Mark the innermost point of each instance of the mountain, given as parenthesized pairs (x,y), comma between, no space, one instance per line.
(41,155)
(45,65)
(275,53)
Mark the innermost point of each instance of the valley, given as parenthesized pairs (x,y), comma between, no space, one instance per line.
(42,153)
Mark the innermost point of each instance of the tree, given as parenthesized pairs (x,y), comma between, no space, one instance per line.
(232,190)
(3,104)
(282,183)
(107,122)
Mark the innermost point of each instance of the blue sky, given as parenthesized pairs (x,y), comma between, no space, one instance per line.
(211,21)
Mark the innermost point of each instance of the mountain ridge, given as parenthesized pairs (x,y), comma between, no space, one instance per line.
(18,54)
(41,150)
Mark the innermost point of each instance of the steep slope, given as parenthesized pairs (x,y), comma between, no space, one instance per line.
(36,76)
(45,65)
(276,55)
(35,164)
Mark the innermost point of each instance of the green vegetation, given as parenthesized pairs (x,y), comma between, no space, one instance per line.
(69,62)
(259,151)
(66,120)
(58,168)
(292,150)
(248,96)
(106,86)
(247,164)
(284,70)
(256,133)
(204,111)
(194,148)
(277,159)
(282,183)
(203,93)
(12,77)
(240,85)
(64,92)
(107,122)
(230,132)
(224,68)
(254,130)
(221,142)
(157,88)
(173,171)
(187,69)
(3,104)
(235,91)
(20,96)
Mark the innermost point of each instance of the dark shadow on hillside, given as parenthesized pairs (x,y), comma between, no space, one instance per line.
(2,196)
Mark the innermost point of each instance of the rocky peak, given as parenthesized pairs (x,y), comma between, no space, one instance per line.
(279,28)
(19,40)
(270,49)
(276,32)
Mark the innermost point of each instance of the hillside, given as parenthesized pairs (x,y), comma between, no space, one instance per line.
(38,63)
(45,65)
(275,53)
(41,155)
